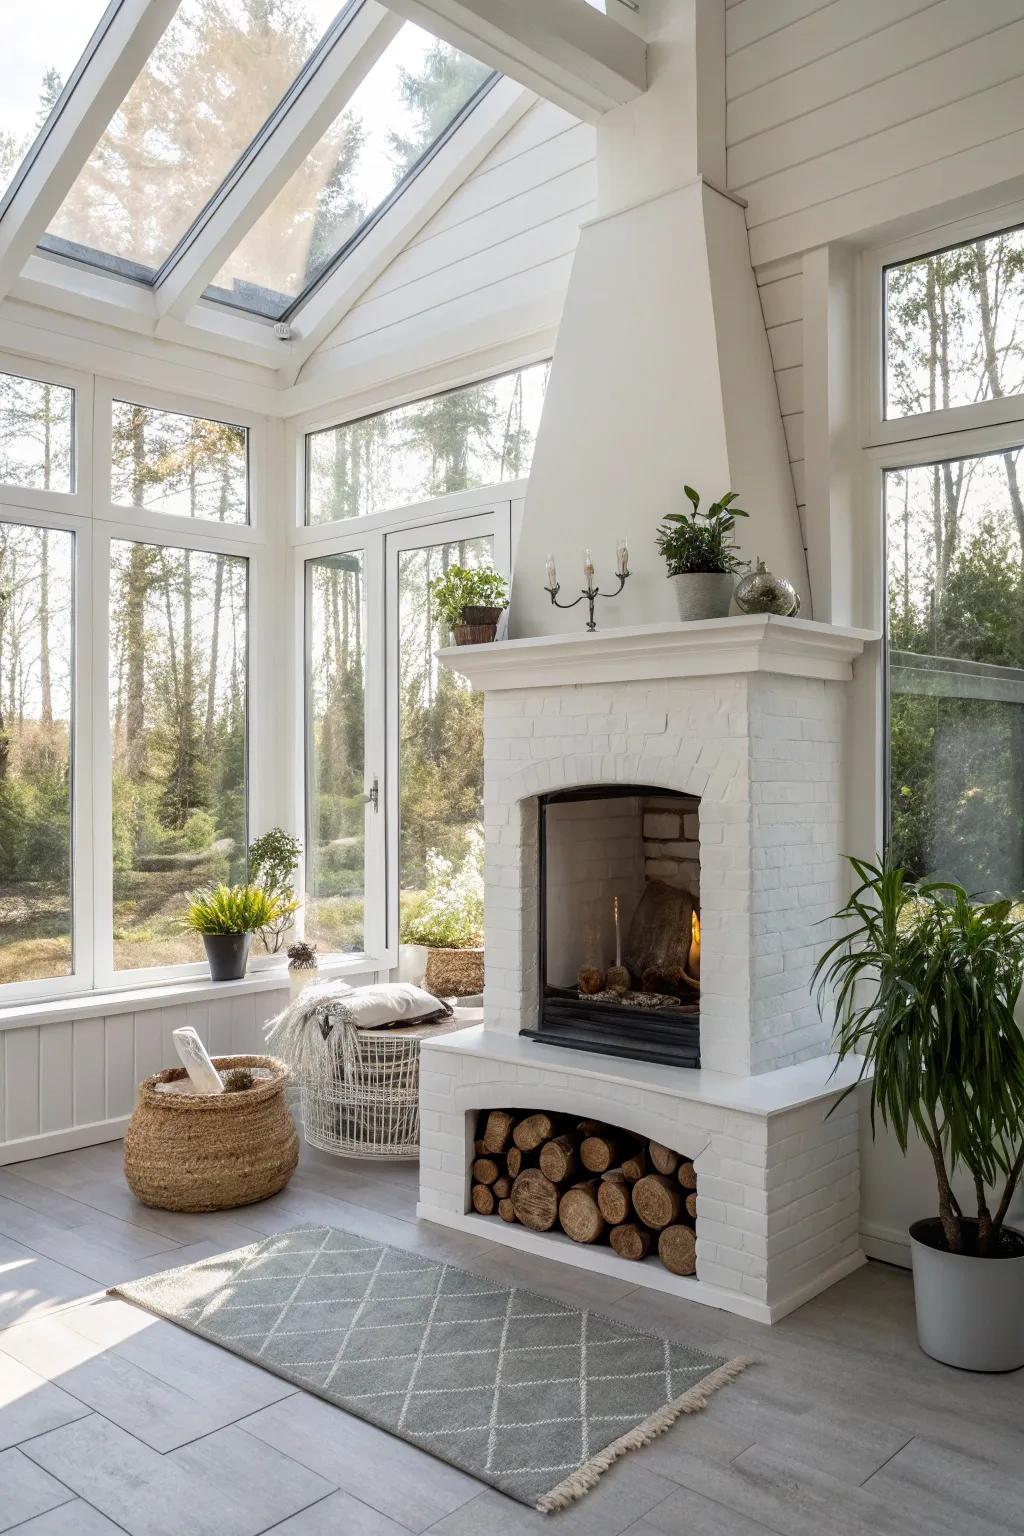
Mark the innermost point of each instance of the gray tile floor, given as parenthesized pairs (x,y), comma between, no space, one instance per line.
(111,1421)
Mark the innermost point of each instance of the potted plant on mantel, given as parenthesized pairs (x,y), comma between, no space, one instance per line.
(926,982)
(469,603)
(226,918)
(699,552)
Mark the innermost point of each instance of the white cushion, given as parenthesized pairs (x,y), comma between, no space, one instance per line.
(393,1002)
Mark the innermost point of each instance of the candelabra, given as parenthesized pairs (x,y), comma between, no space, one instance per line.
(590,593)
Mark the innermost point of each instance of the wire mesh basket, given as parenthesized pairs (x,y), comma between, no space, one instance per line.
(365,1101)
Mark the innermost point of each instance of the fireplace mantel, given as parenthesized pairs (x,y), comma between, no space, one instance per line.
(703,648)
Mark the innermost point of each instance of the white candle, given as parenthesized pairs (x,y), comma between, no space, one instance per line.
(588,568)
(618,936)
(622,558)
(552,573)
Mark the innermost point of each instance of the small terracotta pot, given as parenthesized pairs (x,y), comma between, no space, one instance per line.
(478,627)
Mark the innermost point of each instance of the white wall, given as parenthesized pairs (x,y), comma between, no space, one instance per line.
(491,266)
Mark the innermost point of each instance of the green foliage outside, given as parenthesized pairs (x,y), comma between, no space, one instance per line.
(460,588)
(228,909)
(925,984)
(701,543)
(273,860)
(449,914)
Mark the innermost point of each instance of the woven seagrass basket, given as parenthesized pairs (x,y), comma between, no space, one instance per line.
(454,972)
(211,1152)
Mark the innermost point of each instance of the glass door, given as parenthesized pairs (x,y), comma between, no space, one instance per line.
(435,734)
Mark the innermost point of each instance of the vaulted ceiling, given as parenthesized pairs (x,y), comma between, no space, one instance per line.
(304,189)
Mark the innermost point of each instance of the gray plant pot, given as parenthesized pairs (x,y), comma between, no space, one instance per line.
(227,954)
(704,594)
(970,1311)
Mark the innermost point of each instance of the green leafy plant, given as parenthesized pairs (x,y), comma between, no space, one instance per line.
(701,543)
(925,982)
(460,588)
(450,912)
(273,860)
(231,909)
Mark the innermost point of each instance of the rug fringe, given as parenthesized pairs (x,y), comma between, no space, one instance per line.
(586,1477)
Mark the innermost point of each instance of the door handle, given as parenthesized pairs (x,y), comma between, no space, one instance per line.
(373,796)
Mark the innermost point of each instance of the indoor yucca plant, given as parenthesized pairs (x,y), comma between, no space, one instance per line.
(925,982)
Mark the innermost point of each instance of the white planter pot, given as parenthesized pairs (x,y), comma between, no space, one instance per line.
(299,979)
(412,963)
(970,1311)
(703,595)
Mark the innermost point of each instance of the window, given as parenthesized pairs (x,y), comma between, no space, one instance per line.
(217,73)
(335,758)
(956,669)
(407,101)
(183,465)
(953,326)
(480,435)
(40,53)
(440,733)
(36,434)
(36,703)
(178,708)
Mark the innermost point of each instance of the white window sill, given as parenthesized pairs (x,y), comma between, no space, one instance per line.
(196,989)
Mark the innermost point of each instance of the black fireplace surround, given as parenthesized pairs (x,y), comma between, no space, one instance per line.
(669,1034)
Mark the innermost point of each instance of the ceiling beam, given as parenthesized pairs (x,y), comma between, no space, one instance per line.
(304,118)
(117,52)
(562,49)
(425,195)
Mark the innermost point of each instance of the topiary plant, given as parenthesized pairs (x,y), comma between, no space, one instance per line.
(701,543)
(273,860)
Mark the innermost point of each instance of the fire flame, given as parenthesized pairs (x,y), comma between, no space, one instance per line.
(694,961)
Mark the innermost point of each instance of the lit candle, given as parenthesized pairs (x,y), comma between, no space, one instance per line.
(552,573)
(588,568)
(618,936)
(622,557)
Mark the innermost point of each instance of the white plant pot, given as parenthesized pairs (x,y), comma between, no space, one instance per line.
(412,963)
(299,978)
(704,594)
(970,1311)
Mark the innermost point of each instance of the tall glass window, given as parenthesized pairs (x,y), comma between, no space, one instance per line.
(183,465)
(212,80)
(404,105)
(480,435)
(955,531)
(335,752)
(37,434)
(954,326)
(178,715)
(36,706)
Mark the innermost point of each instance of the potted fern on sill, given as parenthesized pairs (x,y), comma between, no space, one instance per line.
(226,918)
(926,982)
(469,602)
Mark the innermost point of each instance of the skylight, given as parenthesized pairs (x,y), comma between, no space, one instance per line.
(213,79)
(40,53)
(406,104)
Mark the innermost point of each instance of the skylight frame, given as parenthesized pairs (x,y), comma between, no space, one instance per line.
(136,273)
(70,85)
(212,296)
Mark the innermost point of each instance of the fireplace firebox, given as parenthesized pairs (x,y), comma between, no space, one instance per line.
(619,923)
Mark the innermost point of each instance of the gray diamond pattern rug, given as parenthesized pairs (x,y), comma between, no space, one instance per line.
(526,1394)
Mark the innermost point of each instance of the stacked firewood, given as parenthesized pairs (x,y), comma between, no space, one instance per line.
(597,1183)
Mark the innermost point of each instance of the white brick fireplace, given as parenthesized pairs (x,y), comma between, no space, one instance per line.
(746,716)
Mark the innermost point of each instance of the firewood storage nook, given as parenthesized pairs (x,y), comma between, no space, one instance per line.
(596,1183)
